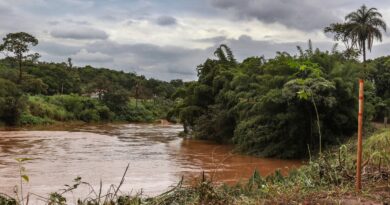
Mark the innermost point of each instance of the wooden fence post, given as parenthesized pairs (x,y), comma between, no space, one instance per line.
(359,143)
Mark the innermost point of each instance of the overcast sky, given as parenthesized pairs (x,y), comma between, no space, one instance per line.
(167,39)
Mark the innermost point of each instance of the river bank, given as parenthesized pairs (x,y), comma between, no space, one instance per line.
(323,180)
(69,125)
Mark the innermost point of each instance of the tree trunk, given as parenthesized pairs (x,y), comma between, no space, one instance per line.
(364,51)
(20,68)
(318,124)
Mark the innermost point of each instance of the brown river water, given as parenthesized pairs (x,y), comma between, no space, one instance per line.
(158,158)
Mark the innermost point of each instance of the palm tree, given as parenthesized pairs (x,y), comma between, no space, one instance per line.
(364,25)
(225,54)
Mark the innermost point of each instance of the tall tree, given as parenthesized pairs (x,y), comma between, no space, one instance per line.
(341,33)
(365,25)
(18,44)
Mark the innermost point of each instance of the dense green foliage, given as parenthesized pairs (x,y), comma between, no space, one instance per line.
(11,102)
(52,92)
(380,75)
(268,108)
(48,109)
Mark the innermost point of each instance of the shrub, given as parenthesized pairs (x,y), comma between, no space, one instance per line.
(89,115)
(105,113)
(39,106)
(28,119)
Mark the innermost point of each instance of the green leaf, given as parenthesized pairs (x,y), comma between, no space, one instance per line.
(25,178)
(303,95)
(301,81)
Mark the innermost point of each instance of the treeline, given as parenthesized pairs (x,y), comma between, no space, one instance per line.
(63,78)
(281,106)
(34,92)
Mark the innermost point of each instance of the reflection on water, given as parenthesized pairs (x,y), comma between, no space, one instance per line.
(157,157)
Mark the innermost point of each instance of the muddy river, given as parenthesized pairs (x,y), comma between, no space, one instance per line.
(158,158)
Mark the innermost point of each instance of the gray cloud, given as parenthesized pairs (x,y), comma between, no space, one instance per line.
(245,46)
(78,22)
(73,20)
(162,62)
(79,33)
(301,14)
(216,39)
(53,23)
(56,48)
(166,21)
(170,62)
(379,50)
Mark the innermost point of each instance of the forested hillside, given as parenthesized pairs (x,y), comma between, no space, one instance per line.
(50,92)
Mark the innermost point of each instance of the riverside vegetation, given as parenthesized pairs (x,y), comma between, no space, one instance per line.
(289,106)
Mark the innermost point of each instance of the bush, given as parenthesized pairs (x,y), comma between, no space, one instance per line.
(39,106)
(137,113)
(89,115)
(68,107)
(105,113)
(28,119)
(73,103)
(74,107)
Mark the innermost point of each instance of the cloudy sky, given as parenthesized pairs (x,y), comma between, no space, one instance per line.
(167,39)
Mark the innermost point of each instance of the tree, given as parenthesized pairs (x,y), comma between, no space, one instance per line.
(364,25)
(225,54)
(34,85)
(18,44)
(70,64)
(117,99)
(12,102)
(341,33)
(100,85)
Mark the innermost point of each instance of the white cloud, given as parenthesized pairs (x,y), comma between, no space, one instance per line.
(87,57)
